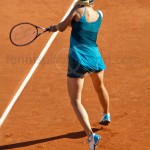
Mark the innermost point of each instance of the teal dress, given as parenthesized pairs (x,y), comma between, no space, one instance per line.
(84,55)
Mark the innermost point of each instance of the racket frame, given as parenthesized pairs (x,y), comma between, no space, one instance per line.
(38,34)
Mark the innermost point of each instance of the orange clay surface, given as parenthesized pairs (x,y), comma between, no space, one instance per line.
(42,118)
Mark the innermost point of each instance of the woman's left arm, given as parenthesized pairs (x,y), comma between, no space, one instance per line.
(64,24)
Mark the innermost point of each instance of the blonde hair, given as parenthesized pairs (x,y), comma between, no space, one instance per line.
(85,2)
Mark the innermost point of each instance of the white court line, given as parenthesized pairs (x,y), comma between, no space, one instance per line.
(24,83)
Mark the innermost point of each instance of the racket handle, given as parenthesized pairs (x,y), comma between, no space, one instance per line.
(48,29)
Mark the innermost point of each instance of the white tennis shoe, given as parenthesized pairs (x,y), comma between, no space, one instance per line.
(93,141)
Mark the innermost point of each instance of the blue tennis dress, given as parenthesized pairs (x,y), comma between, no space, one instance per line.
(84,55)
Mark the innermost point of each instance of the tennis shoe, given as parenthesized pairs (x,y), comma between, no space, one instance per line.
(93,141)
(105,119)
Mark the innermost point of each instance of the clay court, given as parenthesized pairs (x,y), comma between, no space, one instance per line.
(42,118)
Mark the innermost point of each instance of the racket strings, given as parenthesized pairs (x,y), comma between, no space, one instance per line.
(23,34)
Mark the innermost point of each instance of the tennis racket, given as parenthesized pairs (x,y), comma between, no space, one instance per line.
(25,33)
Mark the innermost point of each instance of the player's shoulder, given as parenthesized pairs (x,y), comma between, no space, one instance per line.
(101,12)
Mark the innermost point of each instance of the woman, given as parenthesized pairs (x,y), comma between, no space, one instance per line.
(84,57)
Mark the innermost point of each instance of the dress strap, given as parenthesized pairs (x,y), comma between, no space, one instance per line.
(84,11)
(100,12)
(83,18)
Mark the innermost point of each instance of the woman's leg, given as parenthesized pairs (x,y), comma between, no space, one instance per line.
(75,86)
(97,79)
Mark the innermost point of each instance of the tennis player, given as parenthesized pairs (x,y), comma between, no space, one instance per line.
(84,57)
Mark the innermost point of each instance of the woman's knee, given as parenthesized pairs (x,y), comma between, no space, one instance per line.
(75,102)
